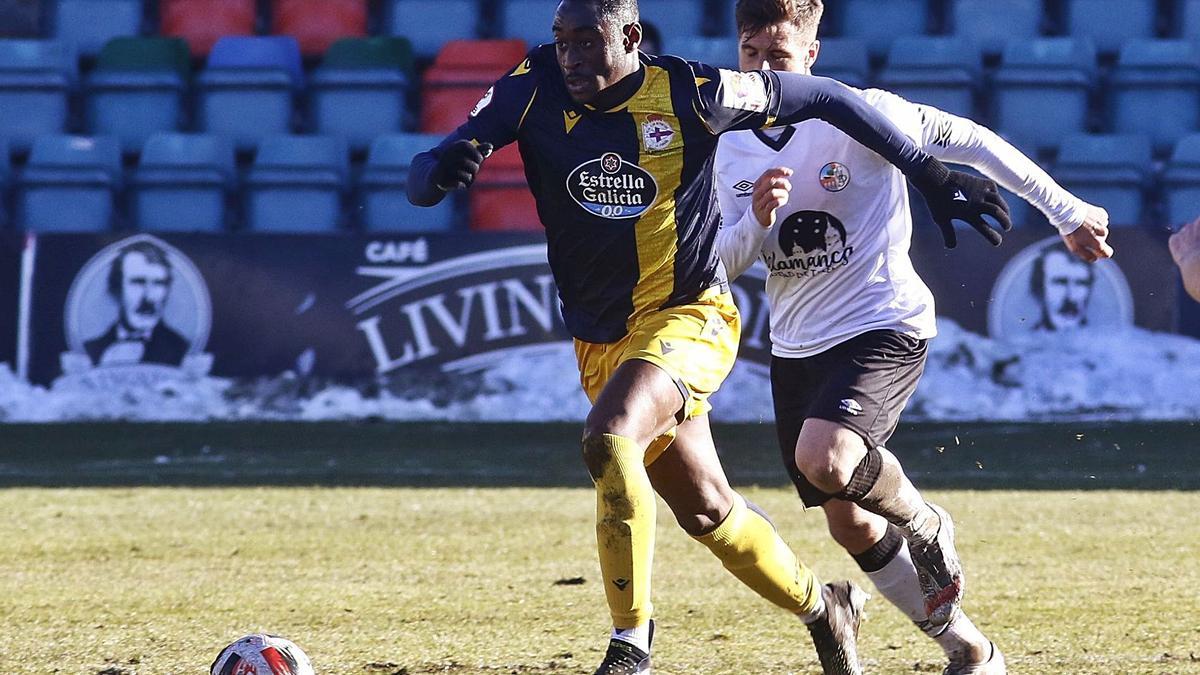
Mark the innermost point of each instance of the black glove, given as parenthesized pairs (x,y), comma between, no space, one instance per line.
(458,164)
(954,195)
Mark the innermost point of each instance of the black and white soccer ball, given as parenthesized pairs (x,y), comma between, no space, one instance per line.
(261,654)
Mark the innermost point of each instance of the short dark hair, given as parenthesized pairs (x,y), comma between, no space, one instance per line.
(151,252)
(753,16)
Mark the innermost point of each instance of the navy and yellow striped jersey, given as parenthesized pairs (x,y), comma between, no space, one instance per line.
(626,194)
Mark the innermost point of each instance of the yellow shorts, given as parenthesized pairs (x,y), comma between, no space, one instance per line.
(696,344)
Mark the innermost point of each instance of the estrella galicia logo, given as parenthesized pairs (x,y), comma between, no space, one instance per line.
(610,187)
(810,243)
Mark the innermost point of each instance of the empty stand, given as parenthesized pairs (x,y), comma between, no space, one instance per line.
(937,71)
(359,90)
(1042,88)
(182,183)
(296,184)
(203,22)
(718,52)
(1181,182)
(1156,90)
(1107,170)
(429,24)
(459,77)
(1110,23)
(70,184)
(382,188)
(528,20)
(317,24)
(90,24)
(989,24)
(247,90)
(36,78)
(880,22)
(137,89)
(844,59)
(500,197)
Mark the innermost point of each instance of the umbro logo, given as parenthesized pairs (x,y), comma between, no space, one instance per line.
(959,196)
(849,405)
(744,188)
(620,584)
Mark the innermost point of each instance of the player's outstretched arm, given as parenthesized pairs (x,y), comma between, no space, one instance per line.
(740,240)
(1185,248)
(452,165)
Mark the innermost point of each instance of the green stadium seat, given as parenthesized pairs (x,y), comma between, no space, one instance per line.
(137,89)
(359,90)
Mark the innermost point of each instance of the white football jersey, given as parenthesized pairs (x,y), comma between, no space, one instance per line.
(837,258)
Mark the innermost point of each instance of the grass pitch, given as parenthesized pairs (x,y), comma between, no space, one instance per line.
(394,580)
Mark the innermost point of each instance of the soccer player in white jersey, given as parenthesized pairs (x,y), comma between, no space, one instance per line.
(850,317)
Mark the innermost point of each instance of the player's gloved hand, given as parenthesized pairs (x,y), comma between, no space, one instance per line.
(954,195)
(458,164)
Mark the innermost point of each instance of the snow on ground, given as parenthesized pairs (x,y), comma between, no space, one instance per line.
(1116,375)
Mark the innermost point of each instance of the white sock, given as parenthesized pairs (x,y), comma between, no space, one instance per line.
(961,638)
(897,581)
(817,612)
(638,637)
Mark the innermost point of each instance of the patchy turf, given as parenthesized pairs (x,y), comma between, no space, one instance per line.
(400,581)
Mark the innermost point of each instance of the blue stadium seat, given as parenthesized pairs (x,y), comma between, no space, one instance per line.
(182,183)
(989,24)
(36,78)
(1181,181)
(936,71)
(137,89)
(381,189)
(673,18)
(1156,90)
(880,22)
(1189,26)
(719,52)
(246,92)
(528,20)
(296,184)
(70,184)
(358,91)
(1109,23)
(1107,170)
(844,59)
(5,178)
(428,24)
(1041,90)
(90,24)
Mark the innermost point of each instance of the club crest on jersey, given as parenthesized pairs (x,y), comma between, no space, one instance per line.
(834,177)
(483,102)
(657,133)
(610,187)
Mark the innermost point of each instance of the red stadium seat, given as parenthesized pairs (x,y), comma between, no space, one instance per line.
(500,197)
(203,22)
(460,75)
(317,24)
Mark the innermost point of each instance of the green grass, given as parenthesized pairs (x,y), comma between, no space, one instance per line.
(462,580)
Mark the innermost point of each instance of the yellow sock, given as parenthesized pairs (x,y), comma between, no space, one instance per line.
(751,549)
(625,518)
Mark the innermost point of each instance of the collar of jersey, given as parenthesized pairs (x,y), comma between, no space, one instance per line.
(644,71)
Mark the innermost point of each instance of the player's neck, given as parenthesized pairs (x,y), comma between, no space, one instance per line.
(620,92)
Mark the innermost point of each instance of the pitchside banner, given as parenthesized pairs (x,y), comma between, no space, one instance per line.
(138,307)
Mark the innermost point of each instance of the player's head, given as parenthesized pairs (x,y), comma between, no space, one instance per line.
(1063,286)
(140,280)
(778,34)
(597,44)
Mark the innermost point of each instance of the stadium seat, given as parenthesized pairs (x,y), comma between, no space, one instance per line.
(673,18)
(1041,89)
(429,24)
(988,24)
(296,184)
(203,22)
(137,89)
(5,181)
(719,52)
(1189,25)
(844,59)
(1181,181)
(1110,23)
(528,20)
(937,71)
(89,24)
(248,88)
(880,22)
(182,183)
(317,24)
(1156,90)
(382,192)
(358,92)
(36,78)
(1108,170)
(459,77)
(70,184)
(500,197)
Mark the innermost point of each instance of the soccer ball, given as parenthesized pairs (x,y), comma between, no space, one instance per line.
(262,654)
